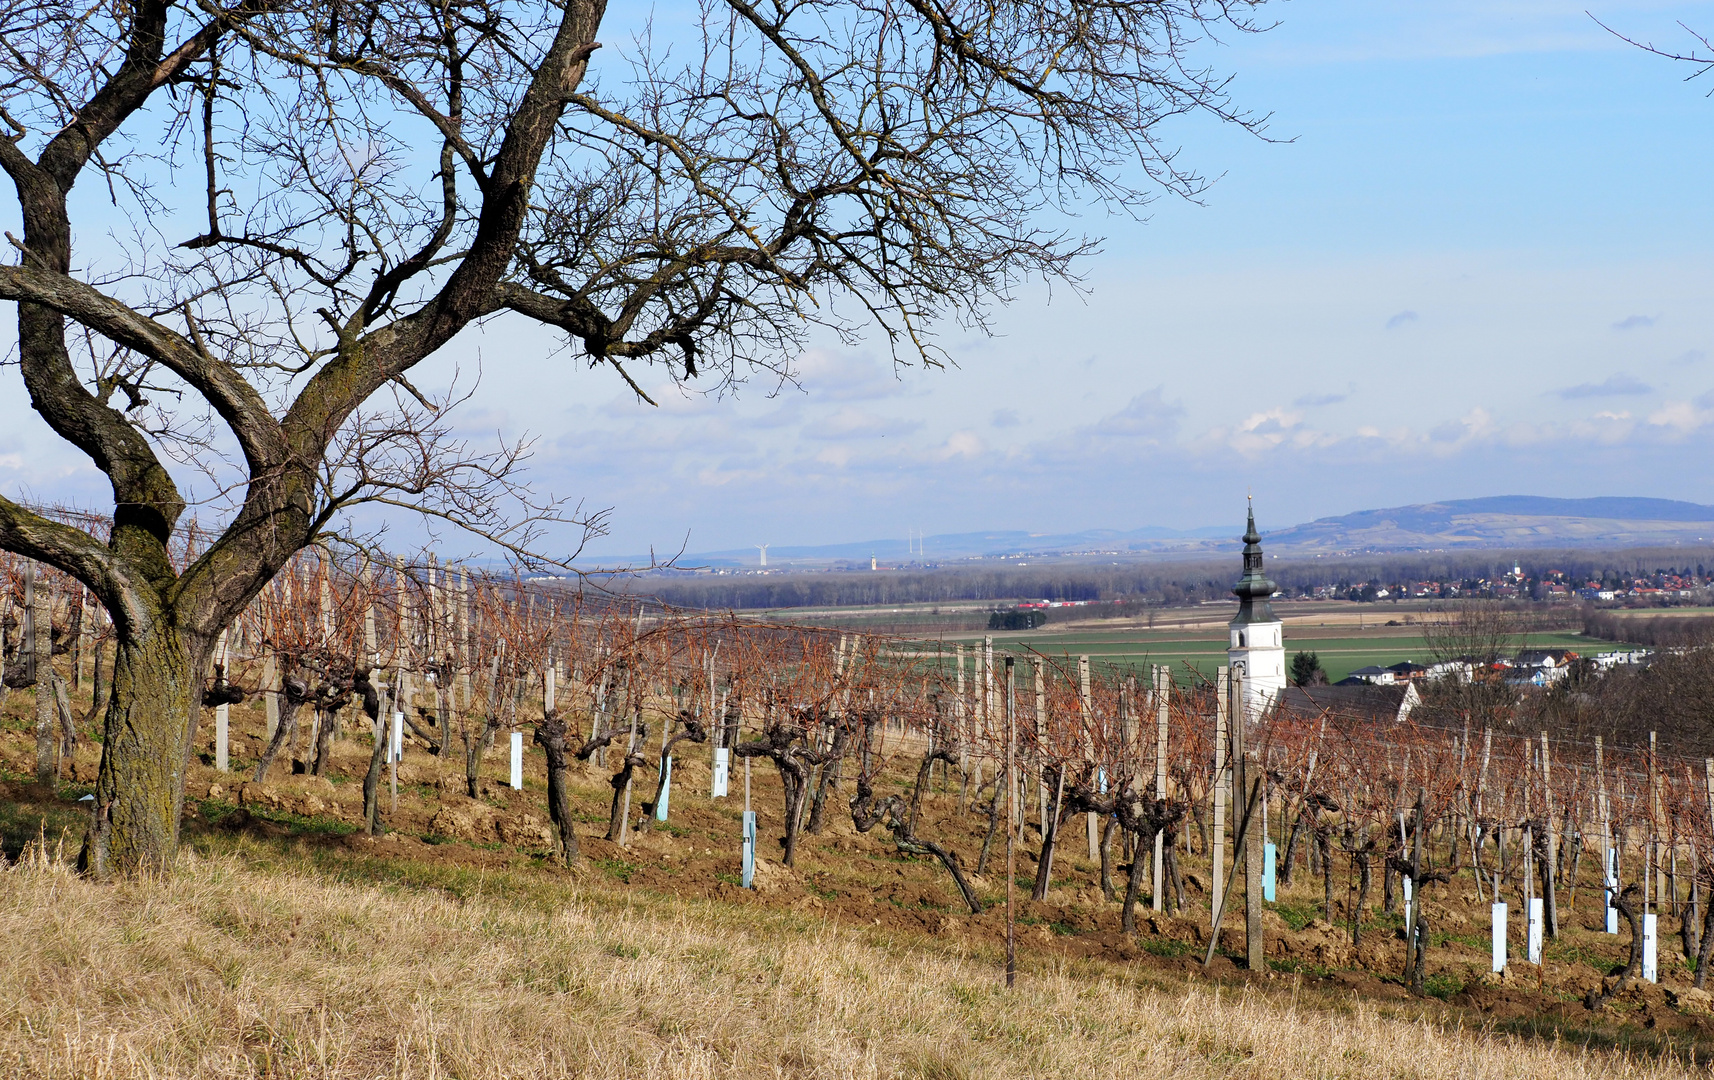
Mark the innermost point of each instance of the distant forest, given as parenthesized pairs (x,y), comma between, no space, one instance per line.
(1134,583)
(1663,631)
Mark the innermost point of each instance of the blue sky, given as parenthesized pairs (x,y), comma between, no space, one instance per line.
(1476,263)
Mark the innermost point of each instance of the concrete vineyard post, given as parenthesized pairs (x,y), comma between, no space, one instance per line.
(1163,687)
(271,692)
(964,718)
(1550,875)
(1217,790)
(39,614)
(1040,671)
(366,577)
(222,712)
(1651,947)
(625,806)
(749,843)
(85,617)
(396,750)
(1250,782)
(5,617)
(722,770)
(1499,931)
(517,761)
(1011,854)
(666,779)
(1088,707)
(1535,930)
(1610,862)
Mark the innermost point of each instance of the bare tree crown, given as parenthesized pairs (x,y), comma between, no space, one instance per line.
(319,196)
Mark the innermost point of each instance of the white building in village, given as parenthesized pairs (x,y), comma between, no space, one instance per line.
(1257,639)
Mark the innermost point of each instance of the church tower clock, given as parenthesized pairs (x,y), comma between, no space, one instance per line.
(1257,640)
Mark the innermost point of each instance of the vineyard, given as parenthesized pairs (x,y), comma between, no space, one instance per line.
(1017,803)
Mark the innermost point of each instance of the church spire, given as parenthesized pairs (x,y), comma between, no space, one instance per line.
(1254,588)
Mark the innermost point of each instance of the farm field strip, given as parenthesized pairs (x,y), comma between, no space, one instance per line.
(1339,655)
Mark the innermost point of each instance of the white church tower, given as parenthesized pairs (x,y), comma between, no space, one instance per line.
(1257,645)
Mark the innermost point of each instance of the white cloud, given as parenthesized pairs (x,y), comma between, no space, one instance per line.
(854,423)
(827,375)
(962,444)
(1613,386)
(1680,416)
(1148,415)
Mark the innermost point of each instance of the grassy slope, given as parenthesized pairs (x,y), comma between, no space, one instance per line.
(259,960)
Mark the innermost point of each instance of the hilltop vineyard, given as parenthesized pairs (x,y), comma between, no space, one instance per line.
(393,697)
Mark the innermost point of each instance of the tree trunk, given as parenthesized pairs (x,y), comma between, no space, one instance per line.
(1364,878)
(284,732)
(1044,865)
(1134,885)
(372,778)
(1549,896)
(1416,946)
(621,782)
(797,787)
(550,733)
(830,784)
(1108,832)
(1290,860)
(473,750)
(1707,946)
(327,724)
(145,749)
(1324,852)
(993,827)
(1174,874)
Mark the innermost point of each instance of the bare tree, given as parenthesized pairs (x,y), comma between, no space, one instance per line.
(321,195)
(1472,638)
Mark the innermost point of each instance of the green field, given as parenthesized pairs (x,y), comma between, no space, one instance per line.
(1340,651)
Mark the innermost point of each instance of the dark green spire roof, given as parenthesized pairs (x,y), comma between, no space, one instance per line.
(1254,588)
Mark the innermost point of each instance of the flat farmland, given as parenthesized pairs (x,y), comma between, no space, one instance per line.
(1340,649)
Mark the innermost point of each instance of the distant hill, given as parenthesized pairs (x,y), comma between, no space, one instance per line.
(1504,521)
(950,546)
(1501,521)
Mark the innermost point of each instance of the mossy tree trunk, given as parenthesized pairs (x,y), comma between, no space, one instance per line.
(150,721)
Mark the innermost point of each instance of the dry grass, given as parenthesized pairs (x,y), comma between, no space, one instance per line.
(234,970)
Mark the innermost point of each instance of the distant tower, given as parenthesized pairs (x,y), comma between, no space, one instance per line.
(871,562)
(1257,646)
(763,548)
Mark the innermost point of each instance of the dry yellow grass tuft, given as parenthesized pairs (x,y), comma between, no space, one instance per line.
(231,970)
